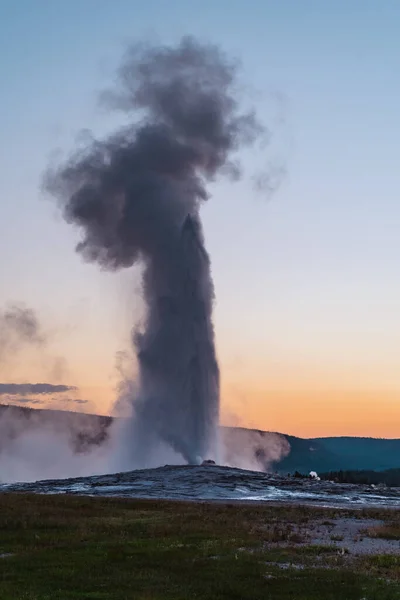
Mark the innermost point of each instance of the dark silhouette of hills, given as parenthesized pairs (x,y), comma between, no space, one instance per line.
(364,452)
(341,453)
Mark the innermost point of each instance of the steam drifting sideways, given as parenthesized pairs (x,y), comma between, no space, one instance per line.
(136,196)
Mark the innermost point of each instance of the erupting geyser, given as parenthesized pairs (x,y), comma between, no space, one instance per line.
(136,195)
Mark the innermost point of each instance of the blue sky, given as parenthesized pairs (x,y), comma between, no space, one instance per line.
(307,281)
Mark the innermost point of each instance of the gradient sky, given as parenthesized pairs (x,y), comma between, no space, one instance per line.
(307,281)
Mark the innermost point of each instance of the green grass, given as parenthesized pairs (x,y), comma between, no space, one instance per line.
(68,547)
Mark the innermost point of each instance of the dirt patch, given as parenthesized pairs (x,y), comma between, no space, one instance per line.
(347,535)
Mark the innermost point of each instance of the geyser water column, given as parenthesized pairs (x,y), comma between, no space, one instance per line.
(179,377)
(136,196)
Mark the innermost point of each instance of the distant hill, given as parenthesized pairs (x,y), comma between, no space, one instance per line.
(261,449)
(336,453)
(363,453)
(307,455)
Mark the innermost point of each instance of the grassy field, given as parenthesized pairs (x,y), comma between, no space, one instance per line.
(68,547)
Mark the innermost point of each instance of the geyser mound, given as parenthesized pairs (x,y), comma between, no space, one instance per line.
(136,196)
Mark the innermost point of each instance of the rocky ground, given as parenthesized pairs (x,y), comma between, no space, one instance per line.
(349,535)
(218,484)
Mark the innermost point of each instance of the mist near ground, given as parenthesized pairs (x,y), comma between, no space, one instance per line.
(43,444)
(39,444)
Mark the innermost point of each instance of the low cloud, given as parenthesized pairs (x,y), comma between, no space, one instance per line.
(75,400)
(55,403)
(27,389)
(23,400)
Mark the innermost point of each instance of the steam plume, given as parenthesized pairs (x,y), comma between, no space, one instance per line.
(136,197)
(20,329)
(18,325)
(23,321)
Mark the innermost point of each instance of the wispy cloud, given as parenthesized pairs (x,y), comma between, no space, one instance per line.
(27,389)
(70,400)
(23,400)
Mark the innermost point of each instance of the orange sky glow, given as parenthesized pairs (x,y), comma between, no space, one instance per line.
(305,413)
(274,391)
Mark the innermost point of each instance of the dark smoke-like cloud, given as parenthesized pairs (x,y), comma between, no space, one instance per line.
(25,389)
(136,196)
